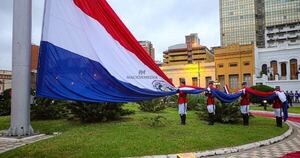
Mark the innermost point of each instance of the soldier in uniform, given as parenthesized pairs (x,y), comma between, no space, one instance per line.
(182,105)
(278,104)
(292,97)
(210,103)
(244,104)
(297,95)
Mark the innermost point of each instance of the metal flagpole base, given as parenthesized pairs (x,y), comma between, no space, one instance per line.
(20,131)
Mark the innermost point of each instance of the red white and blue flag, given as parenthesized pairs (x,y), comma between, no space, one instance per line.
(88,54)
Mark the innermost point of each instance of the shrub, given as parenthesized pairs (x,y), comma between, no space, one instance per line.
(5,103)
(48,109)
(262,88)
(171,101)
(153,105)
(155,121)
(88,112)
(225,112)
(195,101)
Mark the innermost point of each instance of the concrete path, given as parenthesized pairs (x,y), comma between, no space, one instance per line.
(7,144)
(291,144)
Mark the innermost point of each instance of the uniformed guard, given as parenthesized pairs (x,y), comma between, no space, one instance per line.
(210,103)
(182,105)
(278,104)
(297,95)
(244,104)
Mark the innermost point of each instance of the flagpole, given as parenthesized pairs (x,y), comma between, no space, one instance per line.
(21,65)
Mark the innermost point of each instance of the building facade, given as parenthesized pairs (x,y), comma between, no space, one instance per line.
(278,12)
(242,22)
(234,64)
(148,46)
(198,74)
(34,57)
(278,67)
(5,80)
(282,35)
(188,53)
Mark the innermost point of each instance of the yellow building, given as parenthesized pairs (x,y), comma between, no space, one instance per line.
(234,64)
(190,73)
(189,52)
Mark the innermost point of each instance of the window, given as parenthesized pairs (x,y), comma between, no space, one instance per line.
(246,63)
(221,65)
(233,64)
(247,78)
(264,69)
(207,79)
(195,81)
(221,79)
(233,81)
(181,80)
(294,69)
(274,67)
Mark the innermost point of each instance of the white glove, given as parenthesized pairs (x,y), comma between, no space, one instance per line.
(208,89)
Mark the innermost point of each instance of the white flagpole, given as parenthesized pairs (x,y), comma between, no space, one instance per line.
(21,65)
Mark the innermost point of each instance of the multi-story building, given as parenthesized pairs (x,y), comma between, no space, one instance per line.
(242,22)
(234,64)
(282,35)
(278,67)
(5,80)
(198,74)
(148,46)
(187,53)
(278,12)
(34,57)
(282,20)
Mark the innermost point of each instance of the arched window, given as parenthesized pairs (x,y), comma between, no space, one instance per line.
(274,68)
(264,69)
(294,69)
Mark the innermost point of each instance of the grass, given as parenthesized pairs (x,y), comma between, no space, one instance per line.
(293,109)
(132,137)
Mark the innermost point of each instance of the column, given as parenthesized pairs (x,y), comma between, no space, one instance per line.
(288,71)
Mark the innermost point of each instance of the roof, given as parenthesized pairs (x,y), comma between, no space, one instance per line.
(178,46)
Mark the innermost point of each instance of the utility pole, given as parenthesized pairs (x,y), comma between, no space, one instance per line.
(21,61)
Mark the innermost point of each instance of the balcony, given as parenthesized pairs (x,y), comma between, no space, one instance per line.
(173,58)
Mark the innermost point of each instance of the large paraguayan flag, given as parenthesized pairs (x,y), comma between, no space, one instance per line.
(88,54)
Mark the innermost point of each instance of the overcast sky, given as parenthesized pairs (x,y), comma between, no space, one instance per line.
(163,22)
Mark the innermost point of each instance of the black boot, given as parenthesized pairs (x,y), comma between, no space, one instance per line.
(279,122)
(210,119)
(184,118)
(247,119)
(181,119)
(244,119)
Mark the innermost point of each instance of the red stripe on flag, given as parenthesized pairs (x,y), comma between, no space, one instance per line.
(104,14)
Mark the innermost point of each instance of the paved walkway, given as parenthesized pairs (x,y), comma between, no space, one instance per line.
(291,144)
(12,143)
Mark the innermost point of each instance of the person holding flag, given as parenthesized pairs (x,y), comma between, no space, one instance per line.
(210,103)
(244,104)
(279,105)
(182,105)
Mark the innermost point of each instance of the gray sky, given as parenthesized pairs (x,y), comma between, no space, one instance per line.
(163,22)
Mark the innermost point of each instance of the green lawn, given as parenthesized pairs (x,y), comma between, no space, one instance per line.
(131,137)
(294,109)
